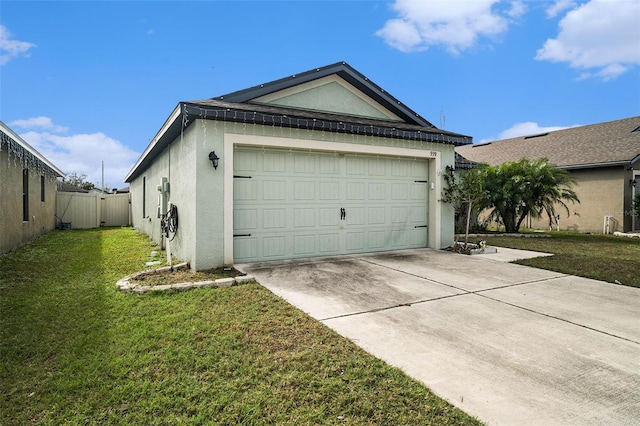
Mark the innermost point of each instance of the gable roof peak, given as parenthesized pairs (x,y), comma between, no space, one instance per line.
(344,71)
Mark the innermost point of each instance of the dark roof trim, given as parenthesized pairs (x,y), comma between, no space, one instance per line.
(307,120)
(187,112)
(596,165)
(346,72)
(25,154)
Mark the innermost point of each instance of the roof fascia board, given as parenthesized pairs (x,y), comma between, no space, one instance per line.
(345,71)
(158,142)
(13,135)
(595,165)
(338,124)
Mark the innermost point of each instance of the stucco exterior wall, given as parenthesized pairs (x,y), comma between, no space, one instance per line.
(602,192)
(199,191)
(14,231)
(177,164)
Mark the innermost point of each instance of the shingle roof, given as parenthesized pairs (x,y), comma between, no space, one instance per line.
(27,155)
(242,112)
(347,73)
(610,143)
(238,107)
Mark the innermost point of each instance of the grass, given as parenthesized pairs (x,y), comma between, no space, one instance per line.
(601,257)
(73,350)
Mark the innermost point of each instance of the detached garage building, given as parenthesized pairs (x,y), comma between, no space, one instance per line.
(321,163)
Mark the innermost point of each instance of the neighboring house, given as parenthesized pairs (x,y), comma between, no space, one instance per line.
(27,191)
(603,158)
(320,163)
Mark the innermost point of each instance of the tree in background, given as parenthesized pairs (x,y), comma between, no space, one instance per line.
(466,192)
(78,180)
(517,189)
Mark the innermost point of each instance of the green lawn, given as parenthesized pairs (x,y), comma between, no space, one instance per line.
(602,257)
(73,350)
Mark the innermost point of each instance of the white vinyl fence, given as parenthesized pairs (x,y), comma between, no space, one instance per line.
(76,210)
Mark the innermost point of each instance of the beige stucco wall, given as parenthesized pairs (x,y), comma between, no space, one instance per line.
(178,164)
(602,192)
(14,232)
(201,234)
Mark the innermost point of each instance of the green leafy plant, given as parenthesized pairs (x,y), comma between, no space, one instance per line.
(517,189)
(466,192)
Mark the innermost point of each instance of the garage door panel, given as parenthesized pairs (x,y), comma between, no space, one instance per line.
(329,217)
(304,244)
(329,243)
(376,215)
(355,191)
(245,161)
(376,240)
(245,190)
(418,170)
(399,214)
(274,190)
(399,237)
(419,191)
(273,218)
(304,190)
(355,240)
(377,191)
(304,217)
(418,237)
(245,249)
(329,165)
(376,167)
(273,162)
(304,163)
(355,216)
(288,204)
(418,215)
(245,219)
(356,166)
(328,190)
(399,168)
(399,191)
(274,246)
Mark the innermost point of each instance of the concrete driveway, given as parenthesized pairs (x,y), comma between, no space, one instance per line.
(509,344)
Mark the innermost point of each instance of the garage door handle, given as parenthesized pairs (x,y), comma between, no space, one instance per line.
(343,213)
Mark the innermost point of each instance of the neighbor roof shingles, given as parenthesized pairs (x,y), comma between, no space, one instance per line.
(613,142)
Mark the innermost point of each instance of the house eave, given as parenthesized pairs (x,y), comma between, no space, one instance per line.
(597,165)
(187,112)
(29,150)
(160,141)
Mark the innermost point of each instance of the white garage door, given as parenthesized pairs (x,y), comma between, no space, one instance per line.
(290,204)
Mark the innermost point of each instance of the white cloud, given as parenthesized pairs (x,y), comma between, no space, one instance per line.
(82,153)
(456,26)
(558,7)
(38,123)
(528,128)
(10,48)
(601,38)
(518,9)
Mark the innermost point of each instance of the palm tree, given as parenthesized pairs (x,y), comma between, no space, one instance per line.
(527,187)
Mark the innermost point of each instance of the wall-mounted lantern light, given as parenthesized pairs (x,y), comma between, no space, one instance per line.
(214,159)
(633,182)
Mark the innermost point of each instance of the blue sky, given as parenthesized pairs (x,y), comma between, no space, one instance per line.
(86,81)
